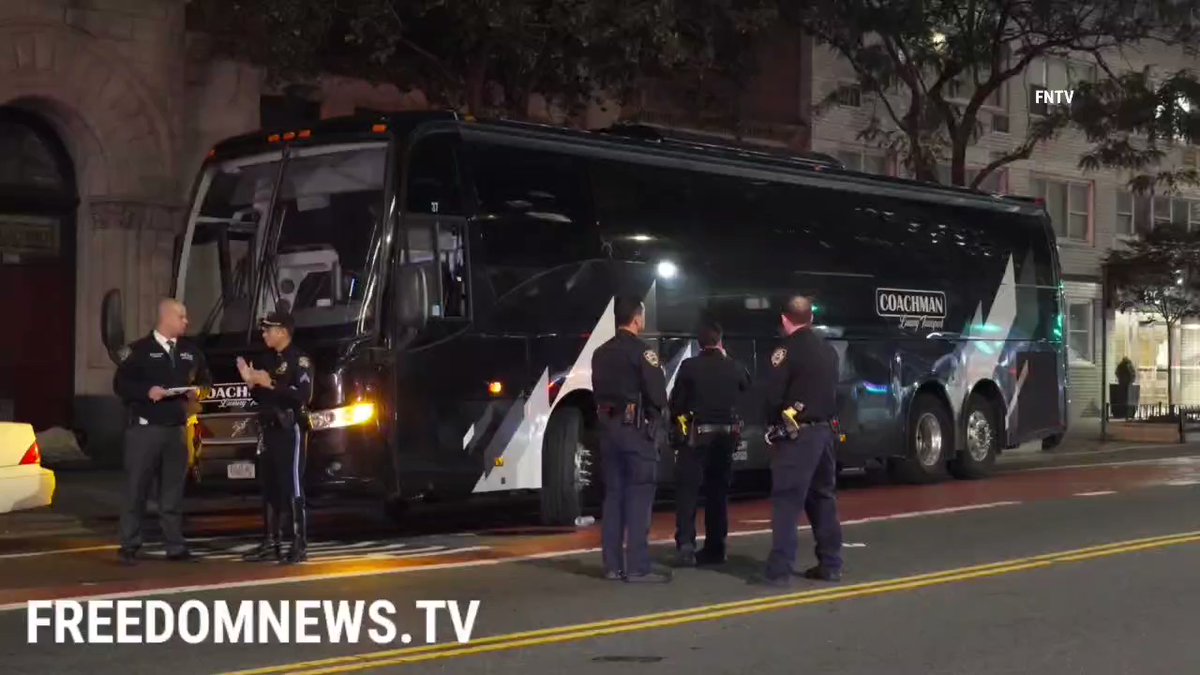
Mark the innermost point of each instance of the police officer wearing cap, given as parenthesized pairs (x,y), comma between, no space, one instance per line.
(160,378)
(801,403)
(706,430)
(631,397)
(281,384)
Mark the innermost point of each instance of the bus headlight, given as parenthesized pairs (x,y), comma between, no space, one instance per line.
(347,416)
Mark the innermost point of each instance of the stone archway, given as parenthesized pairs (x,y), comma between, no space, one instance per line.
(118,132)
(38,201)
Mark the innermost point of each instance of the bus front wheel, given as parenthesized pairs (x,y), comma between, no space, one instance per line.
(929,439)
(569,468)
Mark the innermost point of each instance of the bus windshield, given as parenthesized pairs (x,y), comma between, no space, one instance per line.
(312,260)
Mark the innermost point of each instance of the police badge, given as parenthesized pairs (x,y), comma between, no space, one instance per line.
(123,353)
(778,356)
(651,357)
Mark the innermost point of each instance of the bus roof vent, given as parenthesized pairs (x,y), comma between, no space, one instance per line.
(718,145)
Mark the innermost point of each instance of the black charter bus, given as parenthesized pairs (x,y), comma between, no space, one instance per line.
(453,277)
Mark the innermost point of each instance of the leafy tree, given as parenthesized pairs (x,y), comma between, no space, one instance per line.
(1159,273)
(487,56)
(932,65)
(1133,121)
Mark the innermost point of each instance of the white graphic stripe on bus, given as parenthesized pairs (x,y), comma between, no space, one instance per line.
(978,363)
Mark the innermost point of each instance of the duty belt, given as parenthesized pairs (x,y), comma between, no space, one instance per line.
(628,413)
(715,428)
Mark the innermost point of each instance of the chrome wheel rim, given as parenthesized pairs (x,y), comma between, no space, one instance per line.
(583,474)
(928,439)
(979,435)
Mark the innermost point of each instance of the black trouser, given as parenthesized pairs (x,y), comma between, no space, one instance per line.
(630,463)
(711,461)
(148,448)
(281,476)
(804,479)
(281,465)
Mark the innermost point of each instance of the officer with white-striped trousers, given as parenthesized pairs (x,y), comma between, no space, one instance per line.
(281,382)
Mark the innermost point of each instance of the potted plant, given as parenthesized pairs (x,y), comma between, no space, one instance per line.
(1124,394)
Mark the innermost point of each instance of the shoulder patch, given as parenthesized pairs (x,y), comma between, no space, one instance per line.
(651,357)
(778,356)
(304,362)
(123,353)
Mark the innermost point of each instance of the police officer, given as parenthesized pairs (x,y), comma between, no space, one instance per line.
(631,397)
(707,431)
(801,391)
(281,384)
(152,374)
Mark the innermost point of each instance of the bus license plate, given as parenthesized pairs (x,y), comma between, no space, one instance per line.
(741,456)
(240,470)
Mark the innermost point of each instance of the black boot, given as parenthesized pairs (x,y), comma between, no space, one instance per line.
(298,551)
(269,549)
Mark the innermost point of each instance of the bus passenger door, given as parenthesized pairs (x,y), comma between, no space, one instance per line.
(433,368)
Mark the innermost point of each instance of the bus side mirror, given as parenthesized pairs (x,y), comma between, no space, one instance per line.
(412,296)
(112,324)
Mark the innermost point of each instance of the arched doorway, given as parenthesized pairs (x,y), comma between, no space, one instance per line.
(38,201)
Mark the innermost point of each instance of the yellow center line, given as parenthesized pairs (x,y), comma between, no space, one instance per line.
(561,634)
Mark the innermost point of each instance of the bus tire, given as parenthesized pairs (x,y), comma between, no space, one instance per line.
(396,509)
(928,442)
(981,440)
(568,468)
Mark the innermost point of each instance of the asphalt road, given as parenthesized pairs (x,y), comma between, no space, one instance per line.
(1036,608)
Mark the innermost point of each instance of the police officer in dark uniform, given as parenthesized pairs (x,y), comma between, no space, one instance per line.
(160,378)
(707,430)
(801,391)
(631,398)
(281,384)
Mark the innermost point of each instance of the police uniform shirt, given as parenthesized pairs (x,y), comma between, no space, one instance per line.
(625,367)
(708,386)
(803,369)
(291,378)
(153,362)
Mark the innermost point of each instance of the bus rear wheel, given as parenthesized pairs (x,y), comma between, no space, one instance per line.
(569,469)
(929,437)
(981,441)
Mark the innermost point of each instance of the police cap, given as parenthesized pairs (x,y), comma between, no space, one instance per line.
(278,320)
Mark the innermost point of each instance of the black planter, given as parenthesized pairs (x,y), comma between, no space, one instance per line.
(1124,400)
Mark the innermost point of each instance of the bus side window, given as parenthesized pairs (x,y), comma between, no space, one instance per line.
(452,267)
(433,178)
(436,238)
(533,207)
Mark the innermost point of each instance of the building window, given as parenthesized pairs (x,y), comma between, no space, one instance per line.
(1124,225)
(849,95)
(1178,211)
(1069,204)
(863,161)
(1056,74)
(1079,330)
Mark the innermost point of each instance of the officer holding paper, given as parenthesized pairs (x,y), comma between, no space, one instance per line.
(160,378)
(281,384)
